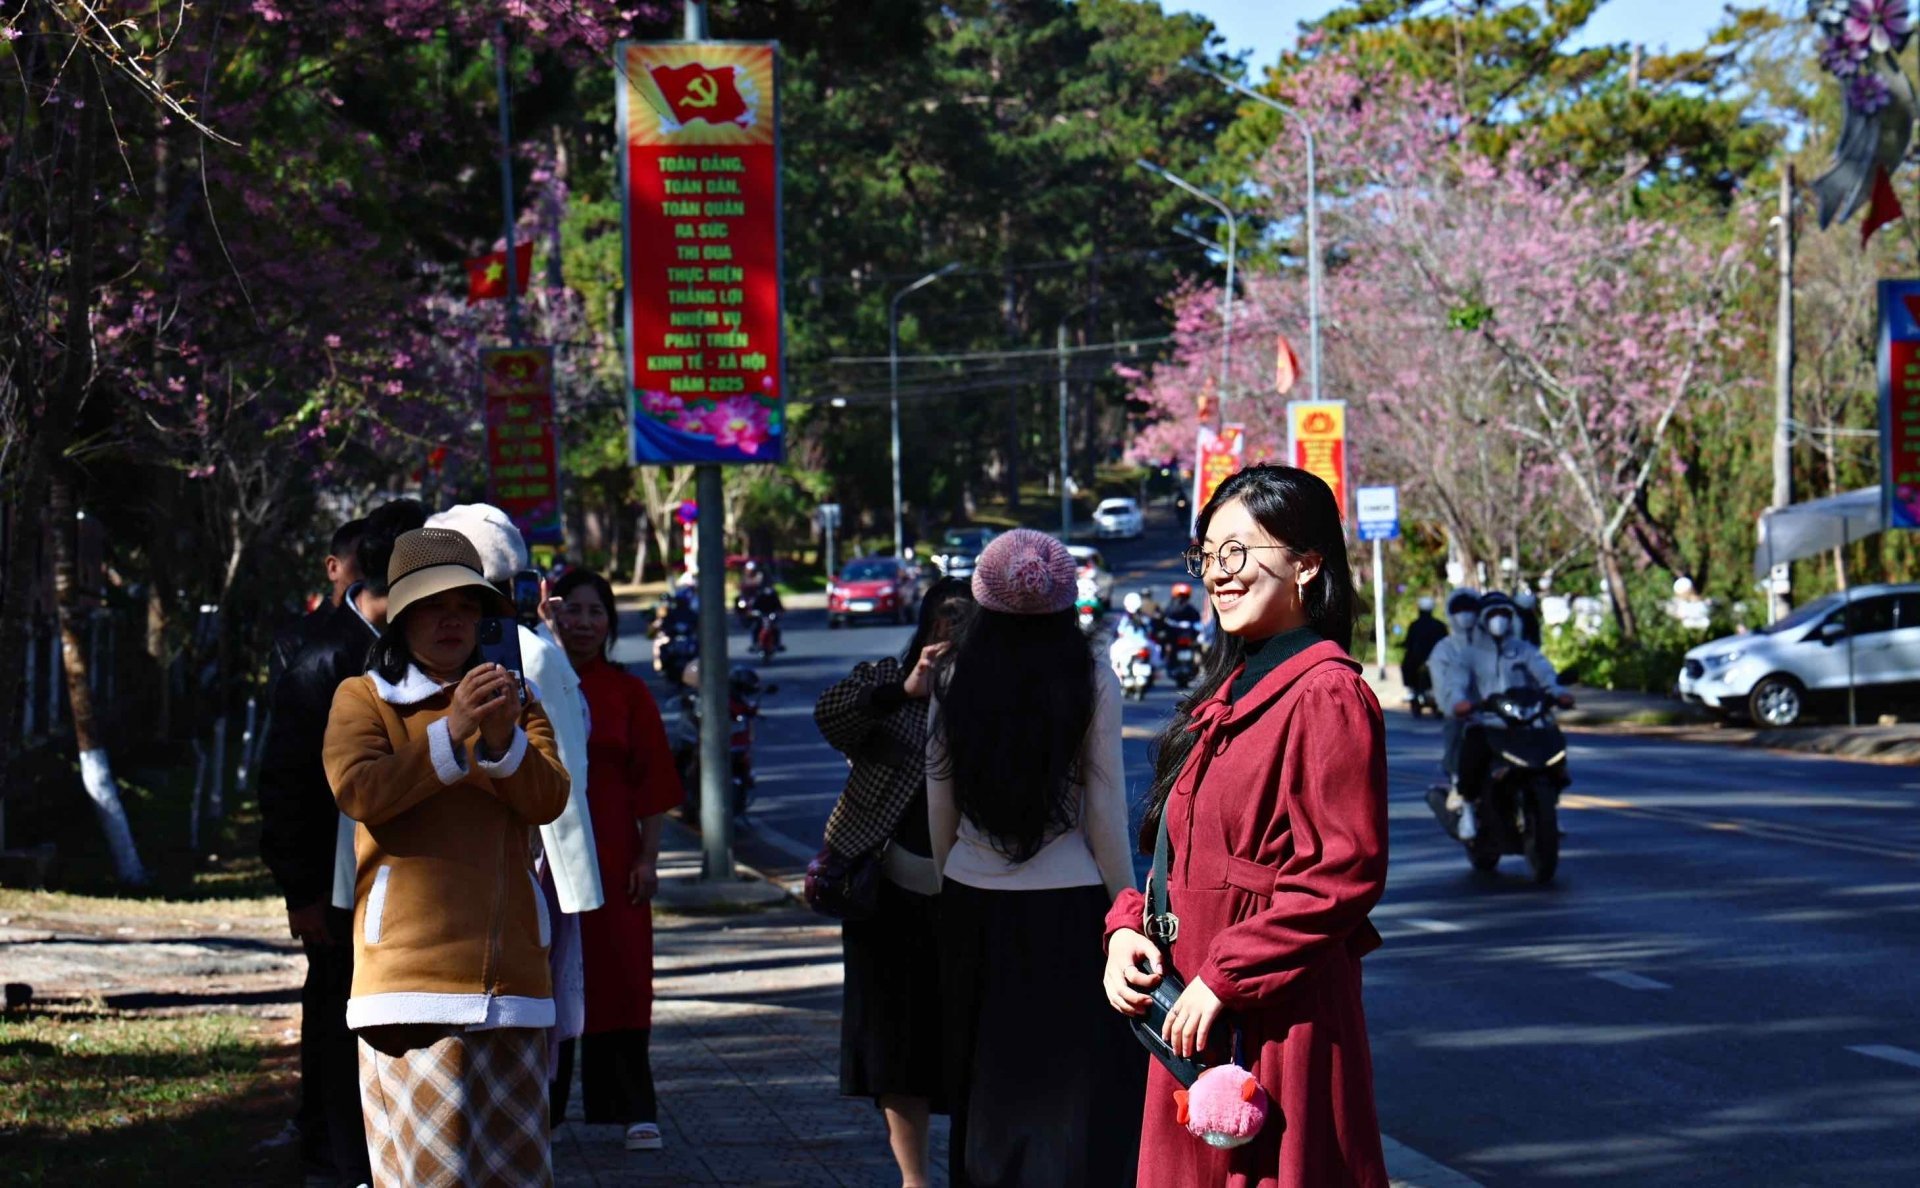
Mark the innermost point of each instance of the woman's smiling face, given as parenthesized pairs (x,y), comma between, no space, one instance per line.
(1263,598)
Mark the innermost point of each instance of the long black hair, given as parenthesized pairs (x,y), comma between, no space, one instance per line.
(1016,699)
(947,600)
(1296,508)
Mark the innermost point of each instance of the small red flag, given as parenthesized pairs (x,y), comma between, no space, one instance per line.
(1286,367)
(697,92)
(1883,208)
(487,275)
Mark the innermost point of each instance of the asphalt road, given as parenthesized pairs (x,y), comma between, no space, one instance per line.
(1721,987)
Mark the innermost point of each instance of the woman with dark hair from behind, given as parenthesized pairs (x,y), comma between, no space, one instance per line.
(631,785)
(890,1024)
(1027,806)
(1270,791)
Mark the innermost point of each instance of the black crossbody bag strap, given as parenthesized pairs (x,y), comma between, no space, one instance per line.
(1161,926)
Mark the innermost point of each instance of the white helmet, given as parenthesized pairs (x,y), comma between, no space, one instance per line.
(1132,604)
(1426,602)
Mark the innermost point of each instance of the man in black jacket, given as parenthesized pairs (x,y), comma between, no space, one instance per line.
(300,828)
(343,572)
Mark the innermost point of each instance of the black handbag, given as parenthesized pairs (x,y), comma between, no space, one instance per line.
(1161,927)
(844,888)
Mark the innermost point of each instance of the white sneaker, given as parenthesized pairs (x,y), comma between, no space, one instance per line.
(644,1136)
(1468,830)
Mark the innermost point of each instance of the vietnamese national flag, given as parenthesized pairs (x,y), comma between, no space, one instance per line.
(1286,367)
(1883,208)
(696,92)
(487,275)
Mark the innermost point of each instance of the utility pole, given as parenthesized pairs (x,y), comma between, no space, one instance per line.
(1778,581)
(506,177)
(893,394)
(716,722)
(1066,500)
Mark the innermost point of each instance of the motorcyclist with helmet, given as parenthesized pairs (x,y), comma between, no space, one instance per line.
(1423,635)
(767,610)
(1494,659)
(1180,607)
(1463,618)
(1529,607)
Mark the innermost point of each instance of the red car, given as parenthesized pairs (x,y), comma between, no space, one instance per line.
(874,587)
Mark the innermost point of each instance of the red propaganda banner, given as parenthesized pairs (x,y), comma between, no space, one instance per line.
(701,186)
(1317,443)
(1219,460)
(1900,402)
(523,468)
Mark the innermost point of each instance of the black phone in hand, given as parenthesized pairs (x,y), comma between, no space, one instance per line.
(499,640)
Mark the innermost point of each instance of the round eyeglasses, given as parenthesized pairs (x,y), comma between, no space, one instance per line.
(1231,556)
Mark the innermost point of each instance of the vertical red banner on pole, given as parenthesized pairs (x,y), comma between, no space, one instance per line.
(1317,443)
(1219,459)
(1900,402)
(701,186)
(523,465)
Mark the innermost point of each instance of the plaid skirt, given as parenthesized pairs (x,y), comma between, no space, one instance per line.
(450,1108)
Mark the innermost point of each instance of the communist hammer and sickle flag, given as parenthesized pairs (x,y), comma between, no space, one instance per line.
(696,92)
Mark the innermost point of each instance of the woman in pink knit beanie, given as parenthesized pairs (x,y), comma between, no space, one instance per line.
(1026,801)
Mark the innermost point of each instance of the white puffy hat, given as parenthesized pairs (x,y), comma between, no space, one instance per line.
(503,551)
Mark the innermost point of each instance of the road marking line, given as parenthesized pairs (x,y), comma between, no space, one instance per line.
(1426,925)
(1765,830)
(1888,1052)
(1629,980)
(1408,1168)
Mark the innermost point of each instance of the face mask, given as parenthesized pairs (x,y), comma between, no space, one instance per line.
(1463,620)
(1499,625)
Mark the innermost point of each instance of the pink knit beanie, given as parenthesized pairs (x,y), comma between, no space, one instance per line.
(1025,573)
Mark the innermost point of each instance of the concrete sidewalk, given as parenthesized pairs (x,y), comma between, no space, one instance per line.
(746,1059)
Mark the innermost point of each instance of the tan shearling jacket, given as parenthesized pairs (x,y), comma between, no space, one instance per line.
(449,924)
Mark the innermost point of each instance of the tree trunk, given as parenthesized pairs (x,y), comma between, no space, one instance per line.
(96,773)
(1617,591)
(642,537)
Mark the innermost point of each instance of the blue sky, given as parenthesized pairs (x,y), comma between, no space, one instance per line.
(1267,26)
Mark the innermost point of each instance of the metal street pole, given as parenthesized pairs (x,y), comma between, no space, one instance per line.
(1066,500)
(893,390)
(1379,609)
(1233,250)
(1782,387)
(1313,211)
(506,177)
(716,722)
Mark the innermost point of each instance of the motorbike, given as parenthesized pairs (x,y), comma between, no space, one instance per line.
(766,636)
(1182,649)
(1087,611)
(744,692)
(1517,812)
(1134,666)
(679,648)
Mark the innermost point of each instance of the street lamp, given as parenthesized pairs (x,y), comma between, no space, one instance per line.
(893,372)
(1233,247)
(1313,211)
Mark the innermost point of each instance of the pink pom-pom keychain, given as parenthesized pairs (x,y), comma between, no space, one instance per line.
(1225,1108)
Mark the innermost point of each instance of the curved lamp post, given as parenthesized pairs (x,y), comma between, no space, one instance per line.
(1233,246)
(893,373)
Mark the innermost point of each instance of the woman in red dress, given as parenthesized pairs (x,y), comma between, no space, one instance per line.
(631,784)
(1271,783)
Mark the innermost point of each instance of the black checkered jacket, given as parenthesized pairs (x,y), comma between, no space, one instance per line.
(883,733)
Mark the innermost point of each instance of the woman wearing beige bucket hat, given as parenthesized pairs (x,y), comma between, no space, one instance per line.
(447,772)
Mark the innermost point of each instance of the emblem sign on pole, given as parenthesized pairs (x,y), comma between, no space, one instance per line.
(700,181)
(1317,443)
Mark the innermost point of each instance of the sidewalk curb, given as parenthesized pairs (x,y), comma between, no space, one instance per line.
(682,894)
(1408,1168)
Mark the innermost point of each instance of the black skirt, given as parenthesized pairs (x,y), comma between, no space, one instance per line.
(890,1019)
(1046,1080)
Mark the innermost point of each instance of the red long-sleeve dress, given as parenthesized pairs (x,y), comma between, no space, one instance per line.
(1278,850)
(630,776)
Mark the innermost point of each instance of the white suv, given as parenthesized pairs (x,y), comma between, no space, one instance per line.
(1870,640)
(1118,518)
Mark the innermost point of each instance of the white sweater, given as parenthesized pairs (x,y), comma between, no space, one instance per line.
(1093,853)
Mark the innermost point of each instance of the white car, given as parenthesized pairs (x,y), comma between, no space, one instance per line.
(1119,519)
(1869,640)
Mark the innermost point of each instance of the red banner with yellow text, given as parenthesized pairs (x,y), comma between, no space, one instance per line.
(701,186)
(1219,460)
(1317,443)
(523,466)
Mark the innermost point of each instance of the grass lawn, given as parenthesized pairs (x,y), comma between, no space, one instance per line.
(92,1097)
